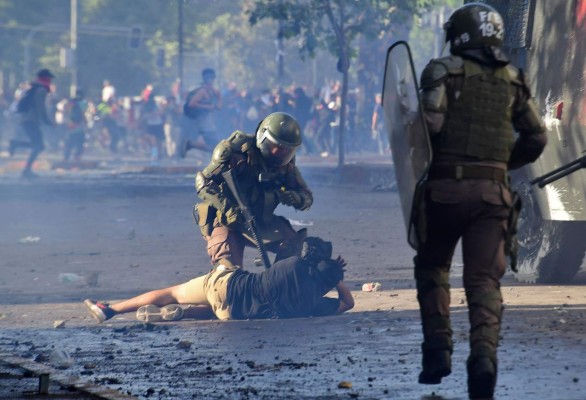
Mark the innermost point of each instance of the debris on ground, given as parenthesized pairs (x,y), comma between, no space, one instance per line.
(58,324)
(29,239)
(345,385)
(372,287)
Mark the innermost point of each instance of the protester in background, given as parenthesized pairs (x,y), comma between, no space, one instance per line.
(250,115)
(266,102)
(199,109)
(377,126)
(325,116)
(302,113)
(108,92)
(75,124)
(107,113)
(171,115)
(153,123)
(229,117)
(32,107)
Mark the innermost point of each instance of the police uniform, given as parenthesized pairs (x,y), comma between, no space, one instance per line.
(263,185)
(474,102)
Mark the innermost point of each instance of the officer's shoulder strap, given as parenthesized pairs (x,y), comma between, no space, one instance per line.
(240,141)
(505,73)
(516,75)
(439,69)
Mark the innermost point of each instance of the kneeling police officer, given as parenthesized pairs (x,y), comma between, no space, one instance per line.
(264,167)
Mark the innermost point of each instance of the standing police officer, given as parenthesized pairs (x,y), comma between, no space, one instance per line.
(264,166)
(474,102)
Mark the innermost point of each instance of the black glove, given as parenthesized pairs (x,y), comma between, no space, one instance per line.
(290,198)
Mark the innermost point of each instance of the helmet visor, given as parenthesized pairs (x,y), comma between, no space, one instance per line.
(276,154)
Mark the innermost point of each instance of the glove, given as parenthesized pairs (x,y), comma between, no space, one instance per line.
(232,216)
(290,198)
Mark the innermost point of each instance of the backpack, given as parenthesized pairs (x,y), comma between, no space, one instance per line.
(191,112)
(26,101)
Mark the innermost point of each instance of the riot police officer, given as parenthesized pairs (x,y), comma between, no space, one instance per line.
(264,166)
(474,101)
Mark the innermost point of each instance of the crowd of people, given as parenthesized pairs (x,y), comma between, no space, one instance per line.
(154,122)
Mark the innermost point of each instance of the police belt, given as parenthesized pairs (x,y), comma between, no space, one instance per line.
(467,172)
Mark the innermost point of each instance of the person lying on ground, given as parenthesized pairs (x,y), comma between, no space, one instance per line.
(291,288)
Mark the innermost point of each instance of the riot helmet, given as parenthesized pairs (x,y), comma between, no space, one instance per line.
(277,137)
(474,26)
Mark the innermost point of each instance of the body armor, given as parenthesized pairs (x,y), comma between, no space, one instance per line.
(478,124)
(258,182)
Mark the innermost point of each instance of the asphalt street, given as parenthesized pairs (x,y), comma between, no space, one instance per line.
(114,231)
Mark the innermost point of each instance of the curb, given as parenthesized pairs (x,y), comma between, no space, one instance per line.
(369,174)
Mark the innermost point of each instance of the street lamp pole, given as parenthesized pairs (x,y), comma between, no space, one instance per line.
(180,58)
(73,46)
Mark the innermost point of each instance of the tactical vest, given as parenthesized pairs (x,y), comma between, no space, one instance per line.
(478,122)
(261,196)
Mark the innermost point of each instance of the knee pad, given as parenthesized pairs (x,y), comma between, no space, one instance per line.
(492,301)
(427,279)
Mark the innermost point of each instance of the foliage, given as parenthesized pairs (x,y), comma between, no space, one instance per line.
(308,19)
(216,34)
(335,25)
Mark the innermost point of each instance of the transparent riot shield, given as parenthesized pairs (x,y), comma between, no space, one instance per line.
(408,136)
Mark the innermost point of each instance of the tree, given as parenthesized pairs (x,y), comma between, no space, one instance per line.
(334,25)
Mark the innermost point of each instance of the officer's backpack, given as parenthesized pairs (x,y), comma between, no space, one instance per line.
(192,112)
(26,101)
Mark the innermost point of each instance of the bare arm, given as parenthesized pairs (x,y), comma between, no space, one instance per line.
(345,297)
(201,99)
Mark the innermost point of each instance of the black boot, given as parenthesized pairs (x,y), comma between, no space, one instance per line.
(481,378)
(437,364)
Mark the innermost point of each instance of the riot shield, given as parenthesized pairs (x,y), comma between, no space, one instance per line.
(407,132)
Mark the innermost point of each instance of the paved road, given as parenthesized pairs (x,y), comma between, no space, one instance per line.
(136,232)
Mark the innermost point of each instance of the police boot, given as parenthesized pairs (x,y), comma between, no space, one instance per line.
(436,364)
(482,373)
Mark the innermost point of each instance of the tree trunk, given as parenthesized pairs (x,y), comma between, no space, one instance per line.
(341,128)
(343,65)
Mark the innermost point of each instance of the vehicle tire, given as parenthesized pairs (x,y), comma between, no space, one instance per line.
(549,251)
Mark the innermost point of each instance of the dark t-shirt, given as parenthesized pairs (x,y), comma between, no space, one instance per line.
(286,290)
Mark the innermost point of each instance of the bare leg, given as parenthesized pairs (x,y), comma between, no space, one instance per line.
(160,297)
(199,312)
(191,292)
